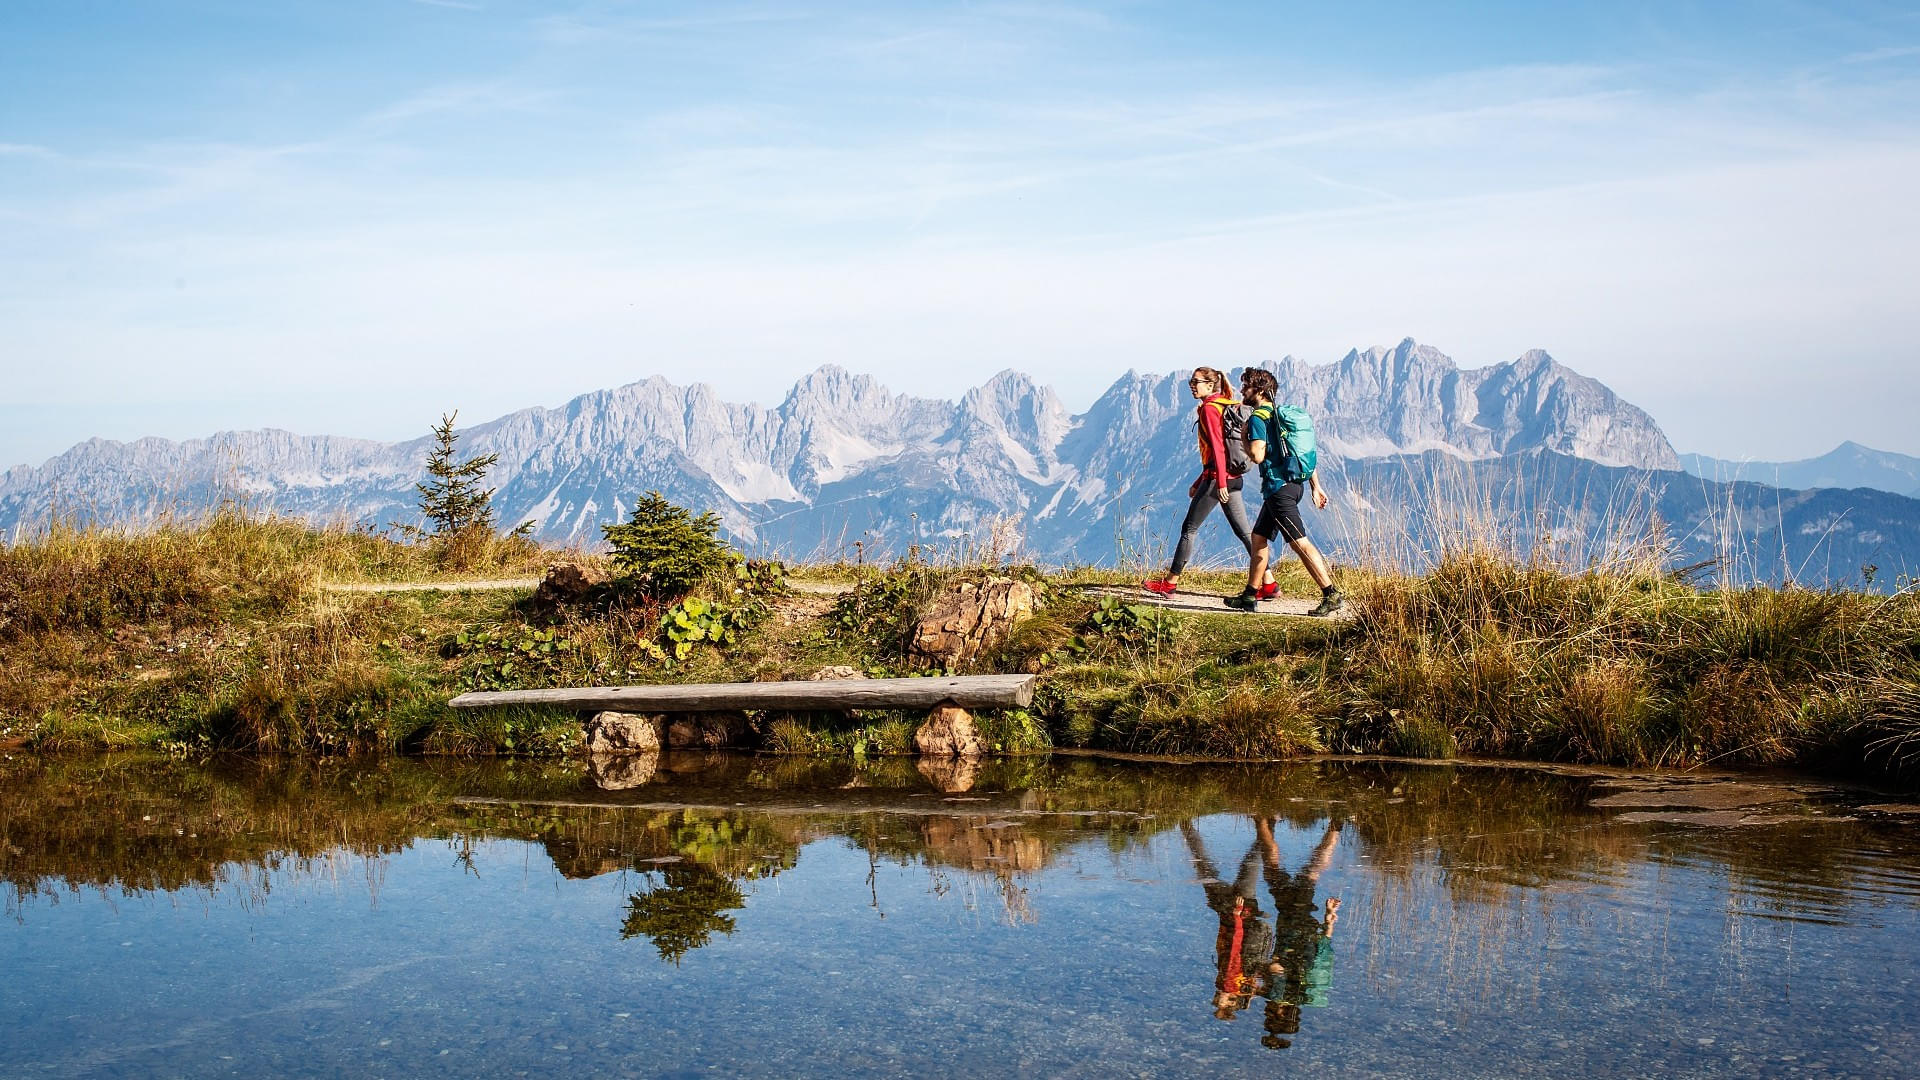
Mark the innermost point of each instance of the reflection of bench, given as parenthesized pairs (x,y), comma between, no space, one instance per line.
(635,719)
(965,691)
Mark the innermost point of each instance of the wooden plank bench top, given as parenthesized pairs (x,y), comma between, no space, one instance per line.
(966,691)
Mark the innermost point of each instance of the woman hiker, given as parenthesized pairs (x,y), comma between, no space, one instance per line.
(1281,487)
(1217,482)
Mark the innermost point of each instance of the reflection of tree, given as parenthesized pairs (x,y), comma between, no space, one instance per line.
(684,911)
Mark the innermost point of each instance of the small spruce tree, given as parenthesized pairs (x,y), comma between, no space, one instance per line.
(452,499)
(663,550)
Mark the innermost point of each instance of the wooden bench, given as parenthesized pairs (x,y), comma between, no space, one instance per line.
(964,691)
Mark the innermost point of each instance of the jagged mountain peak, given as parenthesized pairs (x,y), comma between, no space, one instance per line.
(1012,417)
(1406,355)
(830,386)
(1011,398)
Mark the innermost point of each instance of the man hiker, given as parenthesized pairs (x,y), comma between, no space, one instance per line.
(1220,424)
(1280,442)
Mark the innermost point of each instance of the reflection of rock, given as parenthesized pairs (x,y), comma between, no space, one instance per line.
(970,619)
(950,774)
(969,842)
(618,772)
(565,583)
(623,733)
(948,732)
(706,731)
(836,673)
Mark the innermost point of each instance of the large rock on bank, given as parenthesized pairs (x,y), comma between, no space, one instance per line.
(969,619)
(615,733)
(566,583)
(948,733)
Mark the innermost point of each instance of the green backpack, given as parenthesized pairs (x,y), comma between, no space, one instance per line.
(1294,429)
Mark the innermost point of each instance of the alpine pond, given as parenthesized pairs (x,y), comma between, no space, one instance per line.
(759,916)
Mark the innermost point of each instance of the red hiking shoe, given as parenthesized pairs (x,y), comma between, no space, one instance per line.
(1164,588)
(1270,590)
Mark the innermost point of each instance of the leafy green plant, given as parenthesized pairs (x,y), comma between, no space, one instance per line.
(693,620)
(1013,731)
(1133,624)
(696,620)
(663,550)
(754,580)
(505,658)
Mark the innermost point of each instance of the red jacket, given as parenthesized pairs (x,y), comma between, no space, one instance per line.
(1213,440)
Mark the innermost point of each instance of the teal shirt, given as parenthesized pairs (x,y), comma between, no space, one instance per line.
(1262,428)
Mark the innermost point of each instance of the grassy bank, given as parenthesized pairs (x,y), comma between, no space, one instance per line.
(224,634)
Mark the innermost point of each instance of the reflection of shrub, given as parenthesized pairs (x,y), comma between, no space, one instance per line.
(663,550)
(684,911)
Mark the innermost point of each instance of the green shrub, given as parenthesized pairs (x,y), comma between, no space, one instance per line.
(663,551)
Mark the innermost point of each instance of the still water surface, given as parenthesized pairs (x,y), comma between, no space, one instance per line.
(1059,917)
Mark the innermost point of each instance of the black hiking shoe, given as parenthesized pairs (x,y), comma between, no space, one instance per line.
(1246,601)
(1331,600)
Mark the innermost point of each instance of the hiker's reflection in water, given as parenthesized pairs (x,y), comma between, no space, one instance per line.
(1245,939)
(1290,962)
(1300,971)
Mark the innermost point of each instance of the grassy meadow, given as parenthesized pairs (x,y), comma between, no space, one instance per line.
(232,632)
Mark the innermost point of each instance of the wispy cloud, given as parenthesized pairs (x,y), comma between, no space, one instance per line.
(462,5)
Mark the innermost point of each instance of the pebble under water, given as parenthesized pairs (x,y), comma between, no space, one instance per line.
(701,915)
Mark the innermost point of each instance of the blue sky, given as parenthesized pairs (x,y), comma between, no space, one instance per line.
(348,216)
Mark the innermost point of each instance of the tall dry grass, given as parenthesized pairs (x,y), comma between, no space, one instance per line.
(1588,644)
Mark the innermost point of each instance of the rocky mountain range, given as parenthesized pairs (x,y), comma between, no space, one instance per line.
(843,460)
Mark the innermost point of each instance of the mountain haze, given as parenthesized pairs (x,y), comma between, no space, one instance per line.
(1848,465)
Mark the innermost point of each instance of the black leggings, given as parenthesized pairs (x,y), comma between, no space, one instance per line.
(1202,505)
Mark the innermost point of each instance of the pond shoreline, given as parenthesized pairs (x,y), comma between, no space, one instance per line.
(222,635)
